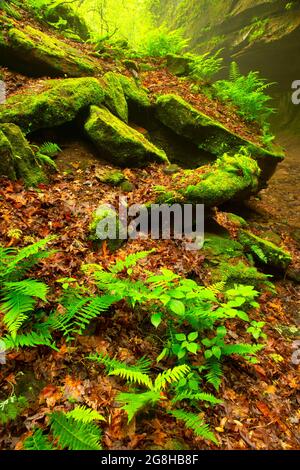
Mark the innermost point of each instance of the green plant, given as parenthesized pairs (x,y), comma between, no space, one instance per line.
(19,296)
(11,408)
(161,42)
(50,149)
(255,329)
(247,92)
(135,402)
(205,66)
(74,430)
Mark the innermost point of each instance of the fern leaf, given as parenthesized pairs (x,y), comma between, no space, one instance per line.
(191,396)
(38,441)
(214,374)
(31,339)
(135,402)
(133,376)
(129,262)
(194,422)
(50,149)
(234,72)
(46,160)
(16,308)
(85,415)
(142,365)
(73,434)
(171,376)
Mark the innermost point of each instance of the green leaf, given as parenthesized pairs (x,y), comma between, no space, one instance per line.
(180,337)
(208,354)
(216,351)
(162,355)
(192,348)
(177,307)
(193,336)
(156,319)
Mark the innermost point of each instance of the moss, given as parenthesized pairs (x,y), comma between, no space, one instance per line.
(135,95)
(239,273)
(6,158)
(264,250)
(127,187)
(179,65)
(71,16)
(100,234)
(60,102)
(113,177)
(120,143)
(217,245)
(114,96)
(209,134)
(36,53)
(236,220)
(22,157)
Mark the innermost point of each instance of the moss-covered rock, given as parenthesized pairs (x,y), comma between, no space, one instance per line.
(136,96)
(17,158)
(106,226)
(58,102)
(113,177)
(238,273)
(36,53)
(179,65)
(229,178)
(68,18)
(264,250)
(114,96)
(119,142)
(210,135)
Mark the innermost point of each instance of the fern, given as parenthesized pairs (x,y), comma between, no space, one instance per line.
(50,149)
(85,415)
(135,402)
(214,374)
(194,422)
(171,376)
(79,312)
(45,160)
(37,441)
(30,339)
(234,72)
(18,300)
(191,396)
(130,261)
(11,408)
(73,434)
(242,349)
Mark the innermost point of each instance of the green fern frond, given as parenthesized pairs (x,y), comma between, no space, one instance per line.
(129,262)
(38,441)
(214,374)
(195,423)
(50,149)
(170,376)
(85,415)
(242,349)
(45,160)
(11,408)
(133,376)
(31,339)
(135,402)
(28,287)
(234,71)
(142,365)
(191,396)
(73,434)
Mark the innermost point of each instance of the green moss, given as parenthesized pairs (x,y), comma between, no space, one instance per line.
(236,220)
(6,158)
(113,177)
(127,187)
(60,102)
(216,245)
(264,250)
(135,95)
(120,143)
(38,53)
(114,96)
(210,135)
(22,162)
(239,273)
(100,234)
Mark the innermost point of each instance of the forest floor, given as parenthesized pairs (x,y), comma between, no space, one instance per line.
(260,407)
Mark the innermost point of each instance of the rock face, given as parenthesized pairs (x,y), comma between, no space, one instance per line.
(35,53)
(16,156)
(230,178)
(260,35)
(210,135)
(59,101)
(119,142)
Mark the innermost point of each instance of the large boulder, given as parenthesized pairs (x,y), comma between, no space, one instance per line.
(36,53)
(118,142)
(58,102)
(229,178)
(68,19)
(17,159)
(210,135)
